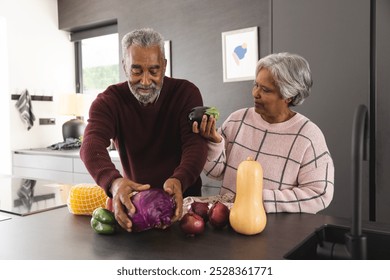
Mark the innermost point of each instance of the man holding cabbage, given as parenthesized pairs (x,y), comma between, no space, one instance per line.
(146,117)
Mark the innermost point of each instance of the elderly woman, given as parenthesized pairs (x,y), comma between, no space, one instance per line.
(297,166)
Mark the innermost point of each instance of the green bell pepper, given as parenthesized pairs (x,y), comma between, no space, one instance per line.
(103,221)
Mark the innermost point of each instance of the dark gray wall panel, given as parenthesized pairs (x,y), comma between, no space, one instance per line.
(383,111)
(74,15)
(334,37)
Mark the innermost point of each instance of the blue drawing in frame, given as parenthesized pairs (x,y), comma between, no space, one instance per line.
(240,54)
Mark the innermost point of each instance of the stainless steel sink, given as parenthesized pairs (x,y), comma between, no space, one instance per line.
(333,237)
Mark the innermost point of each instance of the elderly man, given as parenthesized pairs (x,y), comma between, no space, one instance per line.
(146,117)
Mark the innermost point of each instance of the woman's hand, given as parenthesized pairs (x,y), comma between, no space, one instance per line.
(173,187)
(121,189)
(207,129)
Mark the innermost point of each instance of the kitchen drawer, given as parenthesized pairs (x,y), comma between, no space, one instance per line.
(79,167)
(63,167)
(81,178)
(51,175)
(64,164)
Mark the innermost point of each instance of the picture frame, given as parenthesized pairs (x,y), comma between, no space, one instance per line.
(167,51)
(240,53)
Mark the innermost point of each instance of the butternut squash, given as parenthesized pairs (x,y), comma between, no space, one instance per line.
(247,215)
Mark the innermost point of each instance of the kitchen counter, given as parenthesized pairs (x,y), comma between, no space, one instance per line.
(74,153)
(59,235)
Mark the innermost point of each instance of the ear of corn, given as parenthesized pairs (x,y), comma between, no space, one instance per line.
(83,199)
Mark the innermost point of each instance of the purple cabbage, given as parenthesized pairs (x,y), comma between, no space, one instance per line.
(154,209)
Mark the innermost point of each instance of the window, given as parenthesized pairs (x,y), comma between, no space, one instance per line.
(97,59)
(100,63)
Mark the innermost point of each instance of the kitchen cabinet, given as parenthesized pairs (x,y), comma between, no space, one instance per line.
(59,166)
(346,44)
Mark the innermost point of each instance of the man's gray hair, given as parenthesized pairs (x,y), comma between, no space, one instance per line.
(145,37)
(291,73)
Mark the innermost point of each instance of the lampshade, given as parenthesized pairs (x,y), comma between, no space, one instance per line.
(74,104)
(77,105)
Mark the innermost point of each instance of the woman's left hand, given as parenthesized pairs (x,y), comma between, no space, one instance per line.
(208,129)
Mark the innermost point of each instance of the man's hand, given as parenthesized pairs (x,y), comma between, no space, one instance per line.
(173,187)
(121,190)
(207,128)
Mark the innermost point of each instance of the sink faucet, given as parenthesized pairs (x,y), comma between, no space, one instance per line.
(356,242)
(355,246)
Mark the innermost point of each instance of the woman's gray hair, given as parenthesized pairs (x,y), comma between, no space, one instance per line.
(145,37)
(291,73)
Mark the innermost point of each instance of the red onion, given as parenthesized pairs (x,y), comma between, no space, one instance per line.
(192,224)
(201,208)
(219,215)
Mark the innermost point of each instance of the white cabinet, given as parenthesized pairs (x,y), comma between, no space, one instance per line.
(54,168)
(59,166)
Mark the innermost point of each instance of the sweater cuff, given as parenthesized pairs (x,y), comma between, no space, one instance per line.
(106,181)
(215,150)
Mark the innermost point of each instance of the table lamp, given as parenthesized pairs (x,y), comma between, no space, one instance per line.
(74,104)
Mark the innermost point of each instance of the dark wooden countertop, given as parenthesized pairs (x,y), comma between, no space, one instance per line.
(58,235)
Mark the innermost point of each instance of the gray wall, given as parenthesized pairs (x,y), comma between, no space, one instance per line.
(194,28)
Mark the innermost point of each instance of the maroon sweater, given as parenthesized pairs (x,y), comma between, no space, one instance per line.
(154,142)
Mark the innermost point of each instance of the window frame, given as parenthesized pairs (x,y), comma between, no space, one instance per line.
(77,37)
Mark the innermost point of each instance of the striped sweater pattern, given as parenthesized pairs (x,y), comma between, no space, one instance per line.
(298,171)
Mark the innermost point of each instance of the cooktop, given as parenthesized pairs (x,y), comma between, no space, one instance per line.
(25,196)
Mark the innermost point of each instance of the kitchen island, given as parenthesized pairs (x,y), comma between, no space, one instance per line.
(58,235)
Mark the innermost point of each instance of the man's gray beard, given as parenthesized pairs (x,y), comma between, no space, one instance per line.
(145,98)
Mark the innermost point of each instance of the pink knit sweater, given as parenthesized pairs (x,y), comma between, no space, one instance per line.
(297,167)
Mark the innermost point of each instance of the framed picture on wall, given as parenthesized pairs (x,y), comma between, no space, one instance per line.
(240,54)
(167,50)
